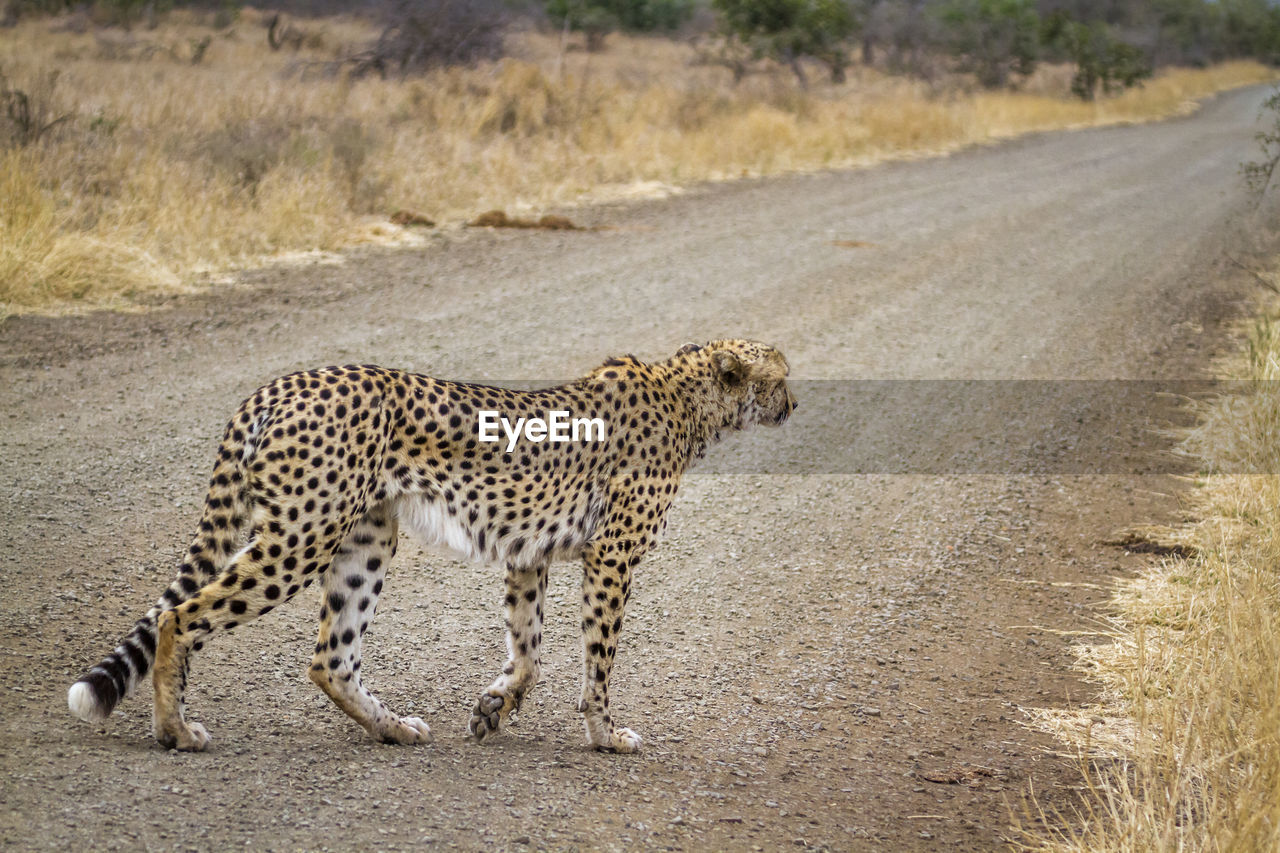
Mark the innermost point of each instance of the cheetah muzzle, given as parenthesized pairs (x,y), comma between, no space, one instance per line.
(318,471)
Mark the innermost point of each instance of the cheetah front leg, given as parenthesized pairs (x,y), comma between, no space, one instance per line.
(525,589)
(606,586)
(351,588)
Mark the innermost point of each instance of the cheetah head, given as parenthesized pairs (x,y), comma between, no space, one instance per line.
(748,380)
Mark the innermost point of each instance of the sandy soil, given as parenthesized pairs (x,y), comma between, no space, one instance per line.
(811,655)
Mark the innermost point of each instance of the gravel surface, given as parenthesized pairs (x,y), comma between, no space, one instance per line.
(814,660)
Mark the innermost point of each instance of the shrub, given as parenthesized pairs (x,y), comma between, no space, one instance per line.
(789,30)
(1257,173)
(992,38)
(29,112)
(597,18)
(1102,60)
(425,34)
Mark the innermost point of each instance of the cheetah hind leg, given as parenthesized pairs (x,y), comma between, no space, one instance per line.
(236,596)
(525,590)
(169,725)
(351,588)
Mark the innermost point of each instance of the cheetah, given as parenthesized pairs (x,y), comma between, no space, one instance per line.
(318,471)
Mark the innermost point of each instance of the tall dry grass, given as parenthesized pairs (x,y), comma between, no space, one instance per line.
(163,167)
(1184,745)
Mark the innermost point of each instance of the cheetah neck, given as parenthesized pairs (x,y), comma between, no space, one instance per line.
(707,416)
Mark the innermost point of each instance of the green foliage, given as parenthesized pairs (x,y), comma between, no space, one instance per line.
(1102,61)
(1200,31)
(1186,30)
(992,38)
(787,30)
(1250,28)
(15,9)
(596,18)
(120,13)
(126,13)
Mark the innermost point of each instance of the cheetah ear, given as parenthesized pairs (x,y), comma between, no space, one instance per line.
(728,367)
(688,348)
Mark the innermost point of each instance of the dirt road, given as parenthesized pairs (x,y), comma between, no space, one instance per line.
(809,656)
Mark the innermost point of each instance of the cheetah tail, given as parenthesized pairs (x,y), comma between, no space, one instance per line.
(96,693)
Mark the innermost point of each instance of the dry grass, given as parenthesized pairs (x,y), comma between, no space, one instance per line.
(162,167)
(1185,740)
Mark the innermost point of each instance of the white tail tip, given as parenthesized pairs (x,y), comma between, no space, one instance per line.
(83,703)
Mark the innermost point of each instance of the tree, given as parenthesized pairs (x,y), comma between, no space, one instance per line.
(597,18)
(1186,31)
(1102,61)
(1250,28)
(788,30)
(992,38)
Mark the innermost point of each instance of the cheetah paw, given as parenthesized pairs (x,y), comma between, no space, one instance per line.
(621,740)
(190,737)
(408,730)
(486,716)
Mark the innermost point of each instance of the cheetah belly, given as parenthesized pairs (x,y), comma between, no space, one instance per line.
(430,523)
(428,520)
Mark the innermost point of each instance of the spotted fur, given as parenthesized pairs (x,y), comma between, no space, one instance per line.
(318,471)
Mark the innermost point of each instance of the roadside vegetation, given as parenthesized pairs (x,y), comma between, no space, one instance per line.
(143,145)
(1182,751)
